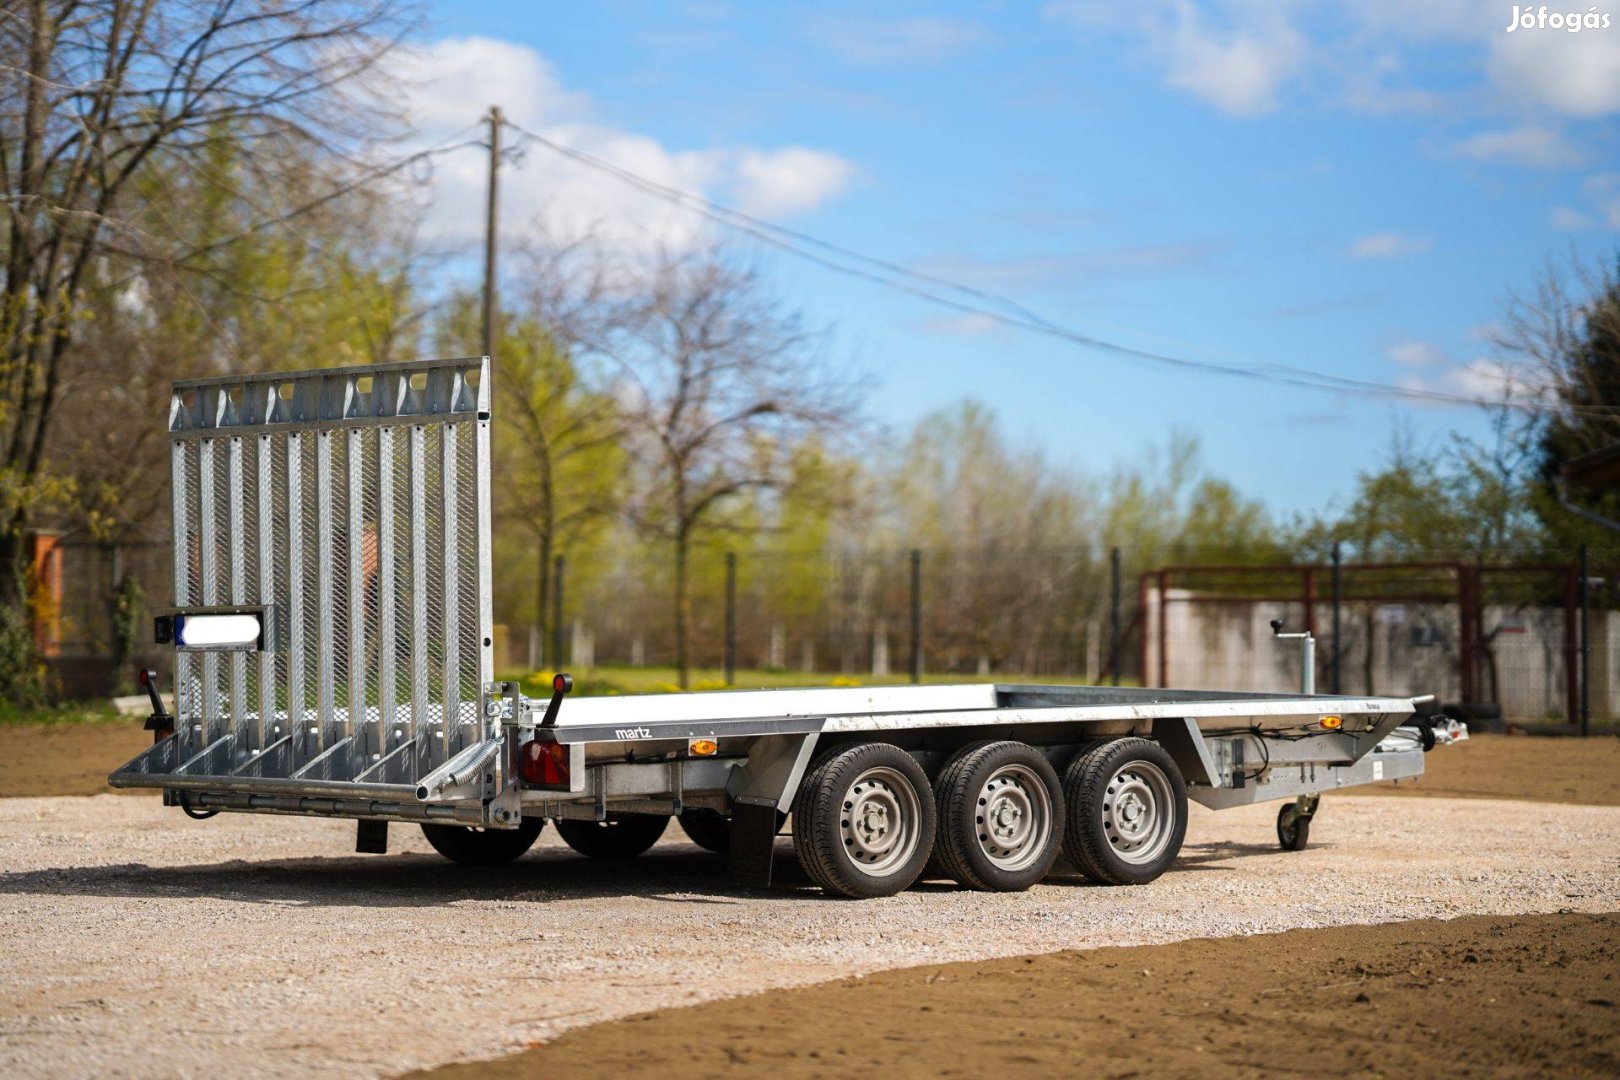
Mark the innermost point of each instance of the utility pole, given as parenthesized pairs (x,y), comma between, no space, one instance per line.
(495,122)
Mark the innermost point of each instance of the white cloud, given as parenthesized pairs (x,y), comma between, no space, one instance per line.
(969,324)
(1481,380)
(1573,74)
(448,84)
(451,82)
(1565,219)
(1371,55)
(1602,209)
(1418,354)
(1429,369)
(1604,191)
(1238,67)
(875,42)
(1430,21)
(1540,147)
(780,182)
(1388,245)
(1239,70)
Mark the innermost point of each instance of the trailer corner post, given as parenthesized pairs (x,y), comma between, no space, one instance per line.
(731,618)
(916,615)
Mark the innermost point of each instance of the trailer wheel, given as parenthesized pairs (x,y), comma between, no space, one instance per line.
(1127,812)
(1293,828)
(708,829)
(1000,816)
(483,847)
(621,836)
(863,821)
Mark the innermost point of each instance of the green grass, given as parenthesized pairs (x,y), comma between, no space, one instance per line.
(72,712)
(609,680)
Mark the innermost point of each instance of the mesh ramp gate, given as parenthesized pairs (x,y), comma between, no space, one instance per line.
(353,504)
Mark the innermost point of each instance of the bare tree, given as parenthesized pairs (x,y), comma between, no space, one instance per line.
(559,452)
(99,96)
(1567,331)
(718,383)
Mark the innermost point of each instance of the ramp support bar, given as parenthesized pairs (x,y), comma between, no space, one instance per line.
(460,770)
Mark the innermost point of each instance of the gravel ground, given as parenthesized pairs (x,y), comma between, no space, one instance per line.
(134,941)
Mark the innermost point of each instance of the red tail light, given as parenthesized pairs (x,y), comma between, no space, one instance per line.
(545,764)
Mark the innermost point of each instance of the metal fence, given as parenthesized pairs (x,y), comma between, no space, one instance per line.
(1505,634)
(1502,636)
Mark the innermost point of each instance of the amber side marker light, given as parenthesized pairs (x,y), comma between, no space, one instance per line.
(702,747)
(1332,723)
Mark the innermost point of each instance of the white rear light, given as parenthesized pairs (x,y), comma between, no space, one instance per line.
(218,631)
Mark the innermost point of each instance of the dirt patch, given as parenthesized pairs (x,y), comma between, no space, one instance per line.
(65,759)
(1537,768)
(1474,996)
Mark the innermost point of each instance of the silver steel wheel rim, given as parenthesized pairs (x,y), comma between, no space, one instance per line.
(1139,812)
(1013,817)
(878,821)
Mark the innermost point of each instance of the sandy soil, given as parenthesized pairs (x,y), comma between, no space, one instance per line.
(280,954)
(1476,996)
(1540,769)
(65,759)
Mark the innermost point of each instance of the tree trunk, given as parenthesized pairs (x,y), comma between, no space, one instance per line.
(683,606)
(12,571)
(542,597)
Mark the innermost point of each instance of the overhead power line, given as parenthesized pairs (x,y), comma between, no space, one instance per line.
(1003,309)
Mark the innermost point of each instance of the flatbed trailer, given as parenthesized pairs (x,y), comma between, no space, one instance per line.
(333,657)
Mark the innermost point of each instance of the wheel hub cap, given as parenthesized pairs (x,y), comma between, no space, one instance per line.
(1013,816)
(878,821)
(1138,812)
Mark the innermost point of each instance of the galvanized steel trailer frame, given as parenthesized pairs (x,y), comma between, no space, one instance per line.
(348,510)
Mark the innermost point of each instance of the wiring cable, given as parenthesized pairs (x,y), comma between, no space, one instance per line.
(1005,310)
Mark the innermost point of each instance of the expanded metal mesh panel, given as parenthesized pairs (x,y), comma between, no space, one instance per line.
(354,505)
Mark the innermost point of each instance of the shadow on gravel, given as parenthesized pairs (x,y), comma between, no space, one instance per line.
(677,874)
(411,880)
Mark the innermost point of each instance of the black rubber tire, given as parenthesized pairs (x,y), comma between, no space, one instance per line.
(1086,791)
(708,829)
(1293,830)
(621,836)
(818,811)
(957,848)
(483,847)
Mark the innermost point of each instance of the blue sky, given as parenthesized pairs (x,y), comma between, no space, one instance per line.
(1353,188)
